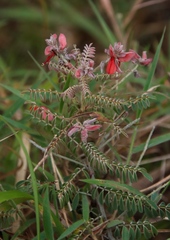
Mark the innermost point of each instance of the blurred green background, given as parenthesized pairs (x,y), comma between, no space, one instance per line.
(25,24)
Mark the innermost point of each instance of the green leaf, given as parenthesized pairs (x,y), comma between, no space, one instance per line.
(119,186)
(71,229)
(161,213)
(153,142)
(85,206)
(125,233)
(14,194)
(117,232)
(140,206)
(115,202)
(124,175)
(154,64)
(153,230)
(16,124)
(114,223)
(146,232)
(12,109)
(121,203)
(113,185)
(138,232)
(47,220)
(128,204)
(132,234)
(15,92)
(101,197)
(148,212)
(130,177)
(75,202)
(134,206)
(145,174)
(168,214)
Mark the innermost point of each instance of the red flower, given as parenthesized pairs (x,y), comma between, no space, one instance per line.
(118,55)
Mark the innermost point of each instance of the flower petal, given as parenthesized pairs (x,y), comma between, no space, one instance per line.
(62,41)
(89,121)
(111,66)
(47,50)
(128,56)
(51,55)
(75,128)
(84,135)
(144,60)
(93,127)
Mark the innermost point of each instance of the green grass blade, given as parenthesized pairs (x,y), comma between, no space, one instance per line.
(47,220)
(153,142)
(14,194)
(71,229)
(154,64)
(114,223)
(33,179)
(15,92)
(17,124)
(11,110)
(107,32)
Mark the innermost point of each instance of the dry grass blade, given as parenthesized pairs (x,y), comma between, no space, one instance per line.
(107,6)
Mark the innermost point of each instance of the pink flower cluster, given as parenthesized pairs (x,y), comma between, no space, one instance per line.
(84,128)
(54,46)
(118,55)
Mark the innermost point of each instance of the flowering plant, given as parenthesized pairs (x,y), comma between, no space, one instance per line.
(86,127)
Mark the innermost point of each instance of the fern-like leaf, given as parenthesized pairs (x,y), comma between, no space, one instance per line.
(103,101)
(133,230)
(84,87)
(71,91)
(96,158)
(68,189)
(43,94)
(88,53)
(100,162)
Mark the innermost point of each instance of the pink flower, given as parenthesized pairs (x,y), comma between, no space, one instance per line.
(85,69)
(144,60)
(62,41)
(118,55)
(54,47)
(44,112)
(84,128)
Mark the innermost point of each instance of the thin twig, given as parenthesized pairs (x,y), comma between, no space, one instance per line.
(146,147)
(131,13)
(156,184)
